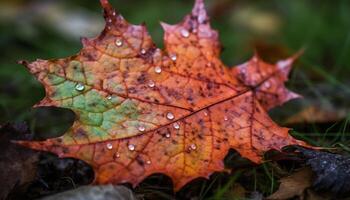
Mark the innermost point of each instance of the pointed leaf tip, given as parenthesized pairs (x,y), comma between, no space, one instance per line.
(109,12)
(299,53)
(256,55)
(23,62)
(200,12)
(165,26)
(198,6)
(105,4)
(286,64)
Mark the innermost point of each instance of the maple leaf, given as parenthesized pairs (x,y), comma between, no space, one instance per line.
(141,110)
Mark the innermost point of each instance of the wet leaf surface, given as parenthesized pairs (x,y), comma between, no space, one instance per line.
(141,110)
(332,170)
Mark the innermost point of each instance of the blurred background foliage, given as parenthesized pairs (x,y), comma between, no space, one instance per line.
(31,29)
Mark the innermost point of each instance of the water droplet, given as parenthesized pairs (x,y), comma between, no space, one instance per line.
(225,118)
(109,97)
(205,114)
(167,135)
(109,146)
(170,116)
(151,84)
(142,128)
(267,84)
(110,20)
(148,162)
(143,51)
(176,125)
(116,155)
(209,64)
(173,57)
(119,42)
(185,33)
(158,69)
(131,147)
(114,13)
(80,87)
(193,146)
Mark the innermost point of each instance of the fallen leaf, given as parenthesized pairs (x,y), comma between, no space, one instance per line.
(313,195)
(332,170)
(294,185)
(17,164)
(141,110)
(317,114)
(107,192)
(237,192)
(59,174)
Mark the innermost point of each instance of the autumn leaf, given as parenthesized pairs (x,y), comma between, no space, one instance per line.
(294,185)
(18,164)
(141,110)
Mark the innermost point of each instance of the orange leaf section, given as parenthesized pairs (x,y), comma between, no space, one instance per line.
(141,110)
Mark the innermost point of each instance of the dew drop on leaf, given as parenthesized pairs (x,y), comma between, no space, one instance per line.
(167,135)
(131,147)
(80,87)
(143,51)
(151,84)
(158,69)
(170,116)
(193,146)
(173,57)
(185,33)
(209,64)
(109,146)
(119,42)
(142,128)
(116,155)
(176,125)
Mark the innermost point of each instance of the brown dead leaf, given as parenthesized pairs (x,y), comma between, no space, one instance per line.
(293,185)
(236,192)
(17,164)
(312,195)
(317,114)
